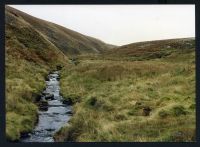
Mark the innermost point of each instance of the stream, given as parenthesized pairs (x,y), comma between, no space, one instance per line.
(53,115)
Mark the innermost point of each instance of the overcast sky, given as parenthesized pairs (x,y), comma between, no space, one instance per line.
(120,24)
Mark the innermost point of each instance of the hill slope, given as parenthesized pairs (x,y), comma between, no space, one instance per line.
(145,92)
(163,82)
(33,48)
(70,42)
(29,57)
(152,49)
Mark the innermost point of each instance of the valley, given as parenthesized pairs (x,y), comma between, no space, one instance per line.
(125,100)
(140,92)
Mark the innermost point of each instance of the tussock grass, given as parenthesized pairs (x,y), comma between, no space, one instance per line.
(114,93)
(24,81)
(110,92)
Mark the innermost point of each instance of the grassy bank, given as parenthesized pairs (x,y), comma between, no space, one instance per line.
(147,100)
(28,58)
(24,81)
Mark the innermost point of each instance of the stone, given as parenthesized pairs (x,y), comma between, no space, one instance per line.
(49,96)
(69,112)
(24,134)
(38,97)
(47,78)
(58,78)
(43,105)
(68,101)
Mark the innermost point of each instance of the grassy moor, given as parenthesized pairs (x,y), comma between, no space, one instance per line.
(139,92)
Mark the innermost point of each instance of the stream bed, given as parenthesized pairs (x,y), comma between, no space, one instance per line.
(53,115)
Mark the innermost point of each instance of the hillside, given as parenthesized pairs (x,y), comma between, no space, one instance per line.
(152,49)
(68,41)
(29,57)
(142,92)
(137,92)
(33,48)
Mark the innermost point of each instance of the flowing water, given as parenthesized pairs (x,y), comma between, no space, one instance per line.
(52,119)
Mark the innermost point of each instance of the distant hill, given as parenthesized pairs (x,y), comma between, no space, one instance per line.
(153,49)
(25,27)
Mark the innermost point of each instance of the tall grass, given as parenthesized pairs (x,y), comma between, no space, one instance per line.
(24,81)
(29,57)
(113,95)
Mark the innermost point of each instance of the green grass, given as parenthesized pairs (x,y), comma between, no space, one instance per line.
(114,93)
(29,58)
(24,81)
(109,91)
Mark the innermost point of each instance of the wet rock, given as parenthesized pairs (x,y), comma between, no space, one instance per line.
(69,112)
(146,111)
(50,129)
(58,78)
(49,96)
(68,101)
(43,105)
(24,134)
(53,79)
(47,78)
(44,93)
(43,108)
(38,97)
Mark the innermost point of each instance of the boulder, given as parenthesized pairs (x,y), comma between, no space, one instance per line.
(43,106)
(25,134)
(44,93)
(50,129)
(69,113)
(68,101)
(38,97)
(47,78)
(58,78)
(49,96)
